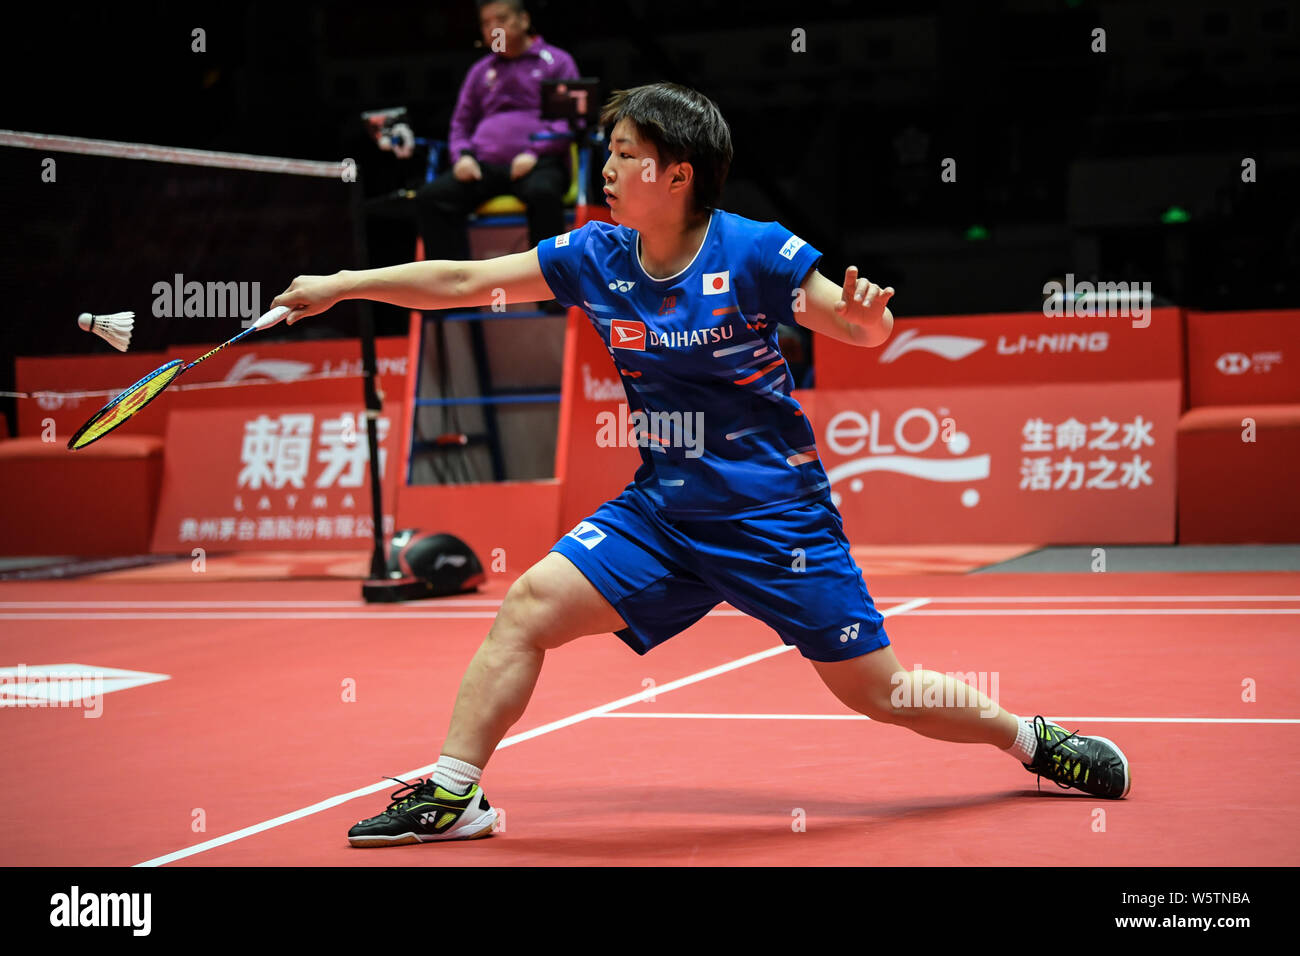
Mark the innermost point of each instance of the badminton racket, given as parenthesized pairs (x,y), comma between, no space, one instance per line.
(118,411)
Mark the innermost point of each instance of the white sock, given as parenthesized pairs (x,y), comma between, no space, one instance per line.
(1026,744)
(455,775)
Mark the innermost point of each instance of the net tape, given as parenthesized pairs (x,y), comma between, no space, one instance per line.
(192,386)
(173,154)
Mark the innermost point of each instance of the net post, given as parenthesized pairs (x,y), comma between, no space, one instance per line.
(366,332)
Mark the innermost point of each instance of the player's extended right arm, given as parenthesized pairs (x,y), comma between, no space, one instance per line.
(436,284)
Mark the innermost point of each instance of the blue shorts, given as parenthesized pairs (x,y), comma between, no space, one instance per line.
(792,571)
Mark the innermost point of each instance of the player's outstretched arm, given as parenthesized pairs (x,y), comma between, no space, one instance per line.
(436,284)
(854,313)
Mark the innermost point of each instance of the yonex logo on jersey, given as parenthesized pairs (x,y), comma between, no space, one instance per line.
(716,283)
(621,285)
(849,633)
(587,534)
(627,334)
(792,245)
(562,241)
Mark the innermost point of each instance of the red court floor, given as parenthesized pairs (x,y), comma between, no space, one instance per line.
(251,739)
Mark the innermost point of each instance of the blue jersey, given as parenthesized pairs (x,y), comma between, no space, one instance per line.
(707,387)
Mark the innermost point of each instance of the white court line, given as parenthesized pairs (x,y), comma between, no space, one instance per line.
(1073,720)
(726,612)
(496,602)
(1078,611)
(1111,598)
(507,742)
(235,605)
(246,616)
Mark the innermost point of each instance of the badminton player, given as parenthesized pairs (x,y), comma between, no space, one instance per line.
(688,298)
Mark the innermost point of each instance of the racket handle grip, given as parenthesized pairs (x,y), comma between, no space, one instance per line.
(274,317)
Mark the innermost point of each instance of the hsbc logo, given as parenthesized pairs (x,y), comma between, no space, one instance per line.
(627,334)
(1238,363)
(951,347)
(621,285)
(1232,363)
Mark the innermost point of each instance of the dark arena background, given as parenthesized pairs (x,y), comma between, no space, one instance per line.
(1069,476)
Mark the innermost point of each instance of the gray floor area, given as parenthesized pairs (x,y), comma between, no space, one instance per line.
(50,569)
(16,564)
(1186,557)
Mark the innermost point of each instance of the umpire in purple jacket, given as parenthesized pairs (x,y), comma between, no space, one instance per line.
(498,109)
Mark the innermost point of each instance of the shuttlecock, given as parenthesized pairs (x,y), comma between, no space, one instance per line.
(114,329)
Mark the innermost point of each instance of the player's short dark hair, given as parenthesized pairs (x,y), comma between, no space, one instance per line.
(516,5)
(684,126)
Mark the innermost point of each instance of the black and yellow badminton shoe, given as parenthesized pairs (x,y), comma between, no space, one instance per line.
(1091,764)
(423,812)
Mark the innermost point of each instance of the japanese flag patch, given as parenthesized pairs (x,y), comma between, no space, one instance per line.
(715,283)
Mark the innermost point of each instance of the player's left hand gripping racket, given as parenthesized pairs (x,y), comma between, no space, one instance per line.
(120,409)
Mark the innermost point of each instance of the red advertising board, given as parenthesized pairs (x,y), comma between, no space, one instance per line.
(104,375)
(1008,348)
(1243,358)
(274,477)
(299,373)
(590,472)
(251,373)
(1011,464)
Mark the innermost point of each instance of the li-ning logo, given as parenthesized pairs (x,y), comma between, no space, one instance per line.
(282,370)
(951,347)
(626,334)
(587,534)
(455,560)
(621,285)
(849,633)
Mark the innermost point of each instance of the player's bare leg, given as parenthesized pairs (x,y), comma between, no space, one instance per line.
(550,604)
(944,708)
(878,686)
